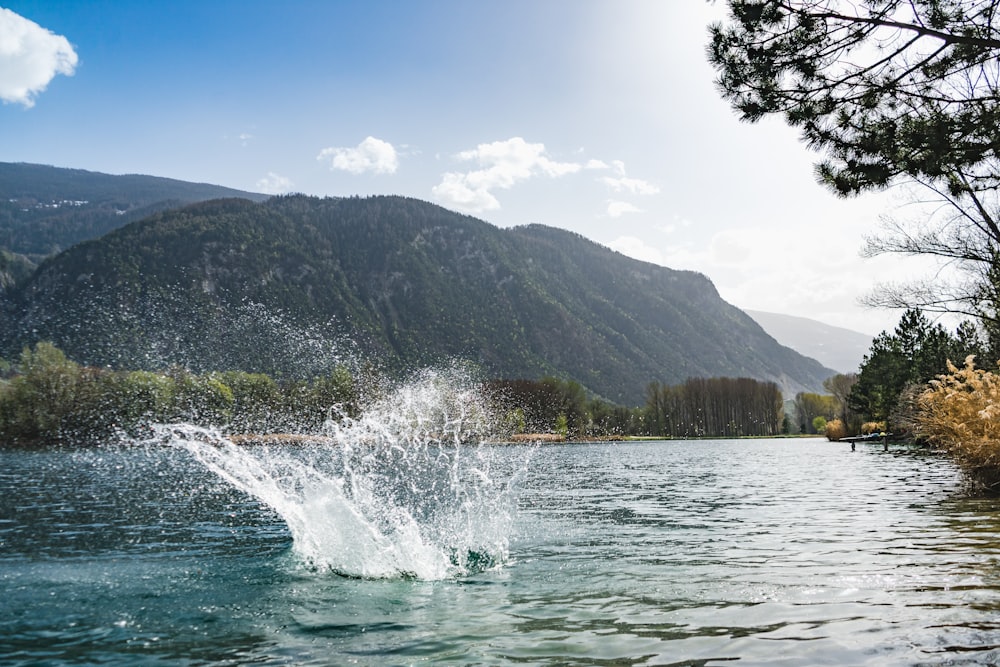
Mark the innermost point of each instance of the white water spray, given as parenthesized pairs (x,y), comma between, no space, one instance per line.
(408,489)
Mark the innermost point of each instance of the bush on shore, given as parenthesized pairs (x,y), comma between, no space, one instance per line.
(872,427)
(835,430)
(960,413)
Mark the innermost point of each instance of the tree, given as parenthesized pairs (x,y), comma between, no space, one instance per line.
(727,407)
(819,424)
(839,386)
(964,235)
(543,403)
(888,91)
(809,406)
(43,396)
(886,87)
(914,353)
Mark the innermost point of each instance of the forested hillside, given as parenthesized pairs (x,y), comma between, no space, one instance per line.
(406,282)
(13,269)
(47,209)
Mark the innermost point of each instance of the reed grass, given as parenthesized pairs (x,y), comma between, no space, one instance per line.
(960,413)
(872,427)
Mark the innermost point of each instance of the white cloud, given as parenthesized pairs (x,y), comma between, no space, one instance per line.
(623,185)
(635,186)
(30,57)
(617,209)
(274,184)
(455,190)
(371,155)
(596,164)
(503,163)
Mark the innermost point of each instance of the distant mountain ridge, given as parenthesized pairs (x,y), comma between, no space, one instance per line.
(406,281)
(46,209)
(834,347)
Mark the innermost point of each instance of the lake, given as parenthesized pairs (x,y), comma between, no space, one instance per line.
(717,552)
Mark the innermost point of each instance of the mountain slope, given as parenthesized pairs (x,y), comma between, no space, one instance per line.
(13,269)
(46,209)
(406,281)
(834,347)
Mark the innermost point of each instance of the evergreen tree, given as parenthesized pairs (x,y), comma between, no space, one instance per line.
(914,353)
(888,91)
(885,88)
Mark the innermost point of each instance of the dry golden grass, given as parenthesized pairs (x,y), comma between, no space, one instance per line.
(835,430)
(872,427)
(960,413)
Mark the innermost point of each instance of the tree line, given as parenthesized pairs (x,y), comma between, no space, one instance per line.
(699,407)
(50,399)
(726,407)
(46,398)
(938,388)
(900,364)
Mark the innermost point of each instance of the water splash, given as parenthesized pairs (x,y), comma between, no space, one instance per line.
(408,489)
(106,327)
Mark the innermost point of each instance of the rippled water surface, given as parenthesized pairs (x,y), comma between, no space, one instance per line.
(780,552)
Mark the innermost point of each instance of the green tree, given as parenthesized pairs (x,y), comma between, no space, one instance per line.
(40,400)
(886,88)
(562,425)
(570,403)
(819,424)
(888,91)
(131,399)
(51,399)
(914,353)
(544,402)
(200,399)
(326,397)
(809,406)
(257,401)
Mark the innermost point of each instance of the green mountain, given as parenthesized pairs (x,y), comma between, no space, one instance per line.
(46,209)
(233,284)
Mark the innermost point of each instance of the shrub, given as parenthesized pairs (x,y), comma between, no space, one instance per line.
(960,413)
(132,399)
(872,427)
(40,401)
(52,399)
(257,401)
(835,430)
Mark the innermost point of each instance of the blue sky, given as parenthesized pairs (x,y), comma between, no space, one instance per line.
(597,116)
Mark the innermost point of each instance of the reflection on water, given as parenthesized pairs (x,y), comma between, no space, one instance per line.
(688,553)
